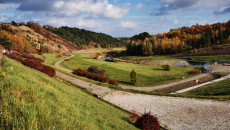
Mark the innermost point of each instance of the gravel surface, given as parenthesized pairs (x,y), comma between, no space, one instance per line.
(177,113)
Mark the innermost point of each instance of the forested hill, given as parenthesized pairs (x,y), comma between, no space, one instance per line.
(180,40)
(83,37)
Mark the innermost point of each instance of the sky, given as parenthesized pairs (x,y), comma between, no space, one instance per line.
(118,18)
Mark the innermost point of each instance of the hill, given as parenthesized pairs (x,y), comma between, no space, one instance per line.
(83,38)
(180,40)
(31,38)
(30,99)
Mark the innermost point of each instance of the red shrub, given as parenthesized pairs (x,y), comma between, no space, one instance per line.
(32,63)
(134,116)
(95,76)
(27,56)
(114,82)
(147,122)
(16,57)
(106,80)
(39,53)
(49,71)
(195,71)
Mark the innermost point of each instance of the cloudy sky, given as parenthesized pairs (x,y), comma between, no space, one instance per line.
(119,18)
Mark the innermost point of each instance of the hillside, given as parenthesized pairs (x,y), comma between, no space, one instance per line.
(83,38)
(31,38)
(180,40)
(30,99)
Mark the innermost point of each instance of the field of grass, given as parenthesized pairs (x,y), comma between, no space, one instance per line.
(30,99)
(220,90)
(211,58)
(51,59)
(149,75)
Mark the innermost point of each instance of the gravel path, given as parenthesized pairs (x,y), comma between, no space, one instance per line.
(177,113)
(151,88)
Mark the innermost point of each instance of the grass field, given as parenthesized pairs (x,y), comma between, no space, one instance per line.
(211,58)
(30,99)
(149,75)
(220,90)
(51,59)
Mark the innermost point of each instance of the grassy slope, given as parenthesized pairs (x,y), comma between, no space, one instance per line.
(220,90)
(32,100)
(148,74)
(51,59)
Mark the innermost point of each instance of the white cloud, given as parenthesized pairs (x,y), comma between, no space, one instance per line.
(88,23)
(8,6)
(139,6)
(101,8)
(57,22)
(128,25)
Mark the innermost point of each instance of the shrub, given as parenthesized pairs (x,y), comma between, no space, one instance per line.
(32,63)
(134,116)
(114,82)
(166,67)
(95,76)
(133,77)
(147,122)
(28,56)
(49,71)
(197,71)
(39,53)
(95,69)
(105,80)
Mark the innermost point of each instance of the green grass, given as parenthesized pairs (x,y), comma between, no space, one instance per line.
(149,75)
(211,58)
(220,90)
(30,99)
(51,59)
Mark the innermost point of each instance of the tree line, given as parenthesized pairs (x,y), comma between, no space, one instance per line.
(179,40)
(82,37)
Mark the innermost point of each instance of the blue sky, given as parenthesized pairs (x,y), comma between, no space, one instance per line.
(118,18)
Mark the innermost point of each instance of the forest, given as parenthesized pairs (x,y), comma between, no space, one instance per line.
(179,40)
(82,37)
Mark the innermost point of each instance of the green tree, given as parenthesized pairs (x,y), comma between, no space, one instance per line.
(133,77)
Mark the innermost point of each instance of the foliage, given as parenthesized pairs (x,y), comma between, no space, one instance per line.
(181,40)
(14,23)
(95,69)
(95,76)
(133,77)
(166,67)
(32,62)
(83,37)
(147,122)
(48,70)
(197,71)
(141,36)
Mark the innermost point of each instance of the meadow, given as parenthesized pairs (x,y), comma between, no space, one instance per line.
(220,90)
(30,99)
(149,75)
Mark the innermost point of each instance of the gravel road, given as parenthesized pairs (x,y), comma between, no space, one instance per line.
(177,113)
